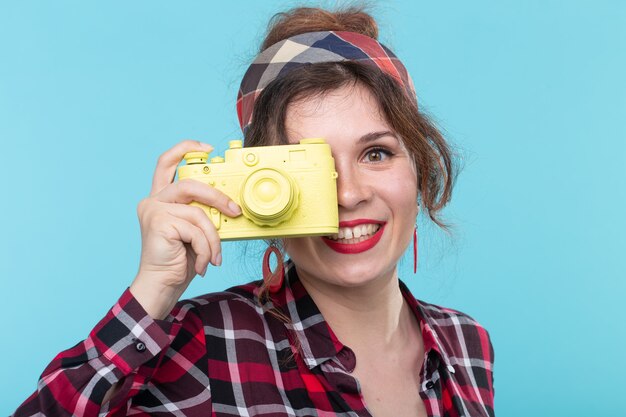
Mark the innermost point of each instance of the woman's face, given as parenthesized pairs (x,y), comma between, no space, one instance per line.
(376,190)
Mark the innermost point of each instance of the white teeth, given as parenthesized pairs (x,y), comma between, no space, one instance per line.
(355,234)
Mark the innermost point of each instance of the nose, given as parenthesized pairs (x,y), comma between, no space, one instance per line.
(352,188)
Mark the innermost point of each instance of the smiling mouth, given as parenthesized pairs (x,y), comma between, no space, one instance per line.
(356,234)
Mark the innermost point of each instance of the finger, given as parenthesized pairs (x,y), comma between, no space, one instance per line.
(168,162)
(186,191)
(197,217)
(191,234)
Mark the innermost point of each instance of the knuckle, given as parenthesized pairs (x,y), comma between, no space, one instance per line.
(197,234)
(162,158)
(157,220)
(186,186)
(214,237)
(170,233)
(160,214)
(202,250)
(198,214)
(190,144)
(142,207)
(216,243)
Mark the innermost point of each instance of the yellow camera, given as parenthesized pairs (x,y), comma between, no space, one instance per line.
(285,190)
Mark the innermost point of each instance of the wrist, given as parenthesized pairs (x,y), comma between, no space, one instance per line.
(156,299)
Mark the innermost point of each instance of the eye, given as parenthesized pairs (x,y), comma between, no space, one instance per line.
(377,155)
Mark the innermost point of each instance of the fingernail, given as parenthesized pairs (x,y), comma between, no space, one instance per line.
(204,271)
(218,259)
(234,207)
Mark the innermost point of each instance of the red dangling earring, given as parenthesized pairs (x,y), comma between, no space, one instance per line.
(415,249)
(273,280)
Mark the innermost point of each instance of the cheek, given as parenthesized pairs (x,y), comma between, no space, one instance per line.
(401,192)
(295,246)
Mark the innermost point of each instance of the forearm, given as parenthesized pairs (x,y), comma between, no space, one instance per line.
(117,358)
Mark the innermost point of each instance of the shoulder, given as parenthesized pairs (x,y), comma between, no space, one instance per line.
(236,307)
(467,350)
(444,315)
(460,335)
(234,321)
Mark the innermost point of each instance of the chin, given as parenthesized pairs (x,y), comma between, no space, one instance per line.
(346,274)
(314,260)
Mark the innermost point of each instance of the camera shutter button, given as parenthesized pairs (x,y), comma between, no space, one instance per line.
(250,159)
(216,218)
(196,157)
(235,144)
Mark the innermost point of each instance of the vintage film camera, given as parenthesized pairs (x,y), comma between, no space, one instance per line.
(283,191)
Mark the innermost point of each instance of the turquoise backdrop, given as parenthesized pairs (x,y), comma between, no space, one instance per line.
(532,92)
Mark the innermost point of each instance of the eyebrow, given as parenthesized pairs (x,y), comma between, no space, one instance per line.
(369,137)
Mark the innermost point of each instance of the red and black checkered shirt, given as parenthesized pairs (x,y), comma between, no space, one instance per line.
(225,355)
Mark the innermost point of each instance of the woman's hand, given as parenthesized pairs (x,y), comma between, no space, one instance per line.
(178,240)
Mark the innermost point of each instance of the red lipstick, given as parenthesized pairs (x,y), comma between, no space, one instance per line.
(352,248)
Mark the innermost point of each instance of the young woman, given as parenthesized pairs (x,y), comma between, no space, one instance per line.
(339,334)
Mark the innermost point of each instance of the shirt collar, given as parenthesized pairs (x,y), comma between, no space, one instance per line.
(424,313)
(316,340)
(314,336)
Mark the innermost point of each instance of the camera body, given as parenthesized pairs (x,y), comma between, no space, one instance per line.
(283,191)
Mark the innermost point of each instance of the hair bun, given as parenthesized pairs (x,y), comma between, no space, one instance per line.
(308,19)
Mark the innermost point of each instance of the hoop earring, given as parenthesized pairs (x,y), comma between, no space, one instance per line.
(415,249)
(273,280)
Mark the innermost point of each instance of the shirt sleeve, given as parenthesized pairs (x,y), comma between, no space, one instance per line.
(477,378)
(127,347)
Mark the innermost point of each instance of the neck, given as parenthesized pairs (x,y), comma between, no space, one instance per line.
(372,314)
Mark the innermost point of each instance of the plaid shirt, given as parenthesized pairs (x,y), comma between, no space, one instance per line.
(226,355)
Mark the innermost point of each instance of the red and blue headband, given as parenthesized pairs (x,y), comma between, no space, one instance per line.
(312,48)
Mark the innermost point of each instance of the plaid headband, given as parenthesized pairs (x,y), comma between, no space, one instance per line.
(311,48)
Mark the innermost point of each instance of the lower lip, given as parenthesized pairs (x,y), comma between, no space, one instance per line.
(352,248)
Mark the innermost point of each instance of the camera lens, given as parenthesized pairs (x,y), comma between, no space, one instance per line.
(269,197)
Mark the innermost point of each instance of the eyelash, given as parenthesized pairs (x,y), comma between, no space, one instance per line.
(384,151)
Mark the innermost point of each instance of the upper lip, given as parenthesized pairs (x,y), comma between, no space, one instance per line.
(357,222)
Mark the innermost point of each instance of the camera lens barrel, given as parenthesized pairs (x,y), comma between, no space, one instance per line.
(269,197)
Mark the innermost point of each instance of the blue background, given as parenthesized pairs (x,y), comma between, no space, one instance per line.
(532,92)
